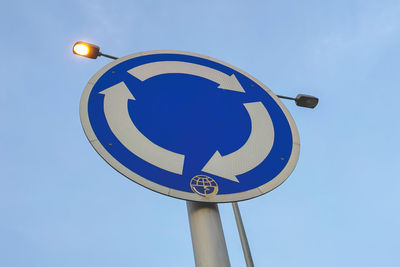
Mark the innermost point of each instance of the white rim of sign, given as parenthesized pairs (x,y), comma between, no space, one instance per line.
(219,198)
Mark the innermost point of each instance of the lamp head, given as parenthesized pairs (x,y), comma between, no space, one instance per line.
(86,50)
(306,101)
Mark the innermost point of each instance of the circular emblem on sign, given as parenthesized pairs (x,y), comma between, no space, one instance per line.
(204,186)
(189,126)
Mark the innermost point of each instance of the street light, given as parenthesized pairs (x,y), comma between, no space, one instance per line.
(85,49)
(89,50)
(305,101)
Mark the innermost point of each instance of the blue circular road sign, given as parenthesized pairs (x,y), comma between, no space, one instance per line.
(189,126)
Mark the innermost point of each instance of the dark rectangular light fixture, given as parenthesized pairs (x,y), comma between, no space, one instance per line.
(306,101)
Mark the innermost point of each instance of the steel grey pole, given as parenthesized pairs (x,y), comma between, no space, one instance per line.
(242,234)
(208,239)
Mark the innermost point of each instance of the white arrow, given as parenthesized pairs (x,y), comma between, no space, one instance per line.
(146,71)
(252,153)
(117,115)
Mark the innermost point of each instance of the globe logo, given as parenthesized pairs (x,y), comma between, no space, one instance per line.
(204,186)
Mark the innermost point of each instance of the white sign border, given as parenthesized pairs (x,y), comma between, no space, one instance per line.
(223,198)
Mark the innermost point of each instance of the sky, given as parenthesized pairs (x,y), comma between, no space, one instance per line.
(61,204)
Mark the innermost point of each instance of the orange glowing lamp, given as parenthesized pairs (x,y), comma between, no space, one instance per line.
(86,50)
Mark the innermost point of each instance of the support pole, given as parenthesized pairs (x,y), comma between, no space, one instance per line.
(105,55)
(208,239)
(242,234)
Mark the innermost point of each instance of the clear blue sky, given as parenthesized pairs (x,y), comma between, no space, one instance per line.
(62,205)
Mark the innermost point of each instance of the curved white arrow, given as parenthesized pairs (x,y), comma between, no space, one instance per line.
(226,82)
(117,115)
(252,153)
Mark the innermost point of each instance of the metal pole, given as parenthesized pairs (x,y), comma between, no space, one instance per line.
(242,234)
(286,97)
(105,55)
(208,239)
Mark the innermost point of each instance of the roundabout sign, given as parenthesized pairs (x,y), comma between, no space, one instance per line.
(189,126)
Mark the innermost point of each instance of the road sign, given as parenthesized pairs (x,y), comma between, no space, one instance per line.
(189,126)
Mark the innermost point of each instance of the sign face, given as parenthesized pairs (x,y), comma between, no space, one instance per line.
(189,126)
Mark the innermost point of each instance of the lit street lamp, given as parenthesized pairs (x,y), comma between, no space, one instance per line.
(88,50)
